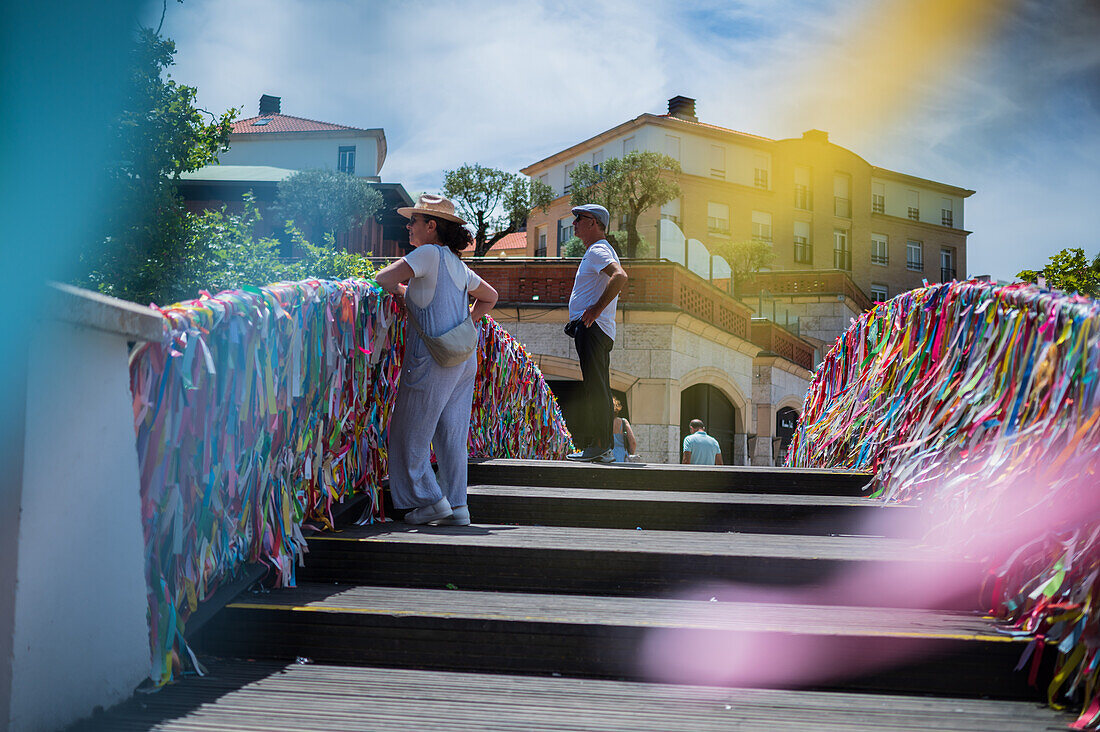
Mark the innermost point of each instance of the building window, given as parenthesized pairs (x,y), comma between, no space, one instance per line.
(718,162)
(672,146)
(569,177)
(629,146)
(914,255)
(878,197)
(597,161)
(947,264)
(879,293)
(842,251)
(565,232)
(718,219)
(842,202)
(914,205)
(880,249)
(346,159)
(803,196)
(803,250)
(762,226)
(947,213)
(760,172)
(670,211)
(540,238)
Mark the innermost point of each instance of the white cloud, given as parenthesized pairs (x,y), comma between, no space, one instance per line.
(505,84)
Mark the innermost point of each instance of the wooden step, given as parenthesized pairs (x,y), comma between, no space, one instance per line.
(664,477)
(883,649)
(632,562)
(690,511)
(261,696)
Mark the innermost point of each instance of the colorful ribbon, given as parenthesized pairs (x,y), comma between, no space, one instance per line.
(263,408)
(983,401)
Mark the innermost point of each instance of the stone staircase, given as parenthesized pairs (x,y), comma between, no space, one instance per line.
(580,581)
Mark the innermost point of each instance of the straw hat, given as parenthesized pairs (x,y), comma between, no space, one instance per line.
(430,204)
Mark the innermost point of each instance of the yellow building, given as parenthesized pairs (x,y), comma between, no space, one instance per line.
(820,205)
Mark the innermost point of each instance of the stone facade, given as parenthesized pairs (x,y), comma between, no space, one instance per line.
(674,331)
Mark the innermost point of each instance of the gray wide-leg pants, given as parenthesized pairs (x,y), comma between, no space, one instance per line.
(432,410)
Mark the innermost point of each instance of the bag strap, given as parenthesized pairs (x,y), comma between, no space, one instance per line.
(443,271)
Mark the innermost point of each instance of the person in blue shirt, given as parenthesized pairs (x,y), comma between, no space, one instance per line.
(699,447)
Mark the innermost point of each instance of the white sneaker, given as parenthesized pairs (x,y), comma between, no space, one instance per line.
(441,509)
(460,517)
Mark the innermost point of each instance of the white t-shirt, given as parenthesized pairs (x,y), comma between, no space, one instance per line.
(590,283)
(424,261)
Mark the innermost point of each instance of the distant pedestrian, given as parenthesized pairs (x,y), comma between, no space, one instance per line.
(625,444)
(592,306)
(699,447)
(436,388)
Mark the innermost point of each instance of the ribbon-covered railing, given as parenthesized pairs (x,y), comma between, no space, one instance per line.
(983,403)
(263,408)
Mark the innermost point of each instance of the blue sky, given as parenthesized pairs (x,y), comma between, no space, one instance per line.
(999,96)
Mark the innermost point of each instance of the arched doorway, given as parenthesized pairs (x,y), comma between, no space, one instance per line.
(709,404)
(786,422)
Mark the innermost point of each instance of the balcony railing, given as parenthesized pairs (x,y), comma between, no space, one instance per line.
(803,253)
(774,339)
(803,282)
(842,259)
(947,274)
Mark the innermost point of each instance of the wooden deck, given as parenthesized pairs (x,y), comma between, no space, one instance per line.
(267,697)
(549,612)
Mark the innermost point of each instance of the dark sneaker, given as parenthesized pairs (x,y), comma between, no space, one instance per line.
(593,454)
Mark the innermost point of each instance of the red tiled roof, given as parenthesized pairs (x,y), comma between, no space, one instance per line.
(284,123)
(515,240)
(716,127)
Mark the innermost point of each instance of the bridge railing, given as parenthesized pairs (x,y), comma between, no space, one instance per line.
(261,409)
(983,403)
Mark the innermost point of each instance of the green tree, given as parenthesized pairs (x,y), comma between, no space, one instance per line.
(1070,271)
(147,252)
(326,201)
(745,259)
(574,247)
(239,258)
(628,187)
(496,202)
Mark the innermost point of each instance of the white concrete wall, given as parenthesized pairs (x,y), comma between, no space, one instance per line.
(81,637)
(304,153)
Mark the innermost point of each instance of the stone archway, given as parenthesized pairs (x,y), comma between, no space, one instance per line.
(724,392)
(708,403)
(786,422)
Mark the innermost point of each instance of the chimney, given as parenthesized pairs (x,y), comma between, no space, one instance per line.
(269,105)
(682,108)
(815,136)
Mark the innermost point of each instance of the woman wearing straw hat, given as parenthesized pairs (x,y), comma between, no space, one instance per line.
(434,398)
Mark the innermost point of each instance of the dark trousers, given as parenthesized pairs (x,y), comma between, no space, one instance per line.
(594,352)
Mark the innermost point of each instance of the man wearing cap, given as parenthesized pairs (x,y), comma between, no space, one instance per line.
(592,305)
